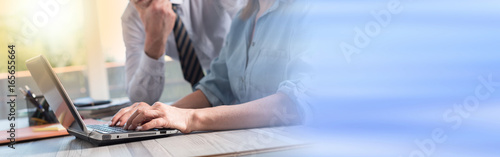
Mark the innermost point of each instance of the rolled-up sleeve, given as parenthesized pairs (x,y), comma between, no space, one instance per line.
(145,76)
(298,86)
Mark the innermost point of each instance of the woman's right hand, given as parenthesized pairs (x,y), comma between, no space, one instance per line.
(120,118)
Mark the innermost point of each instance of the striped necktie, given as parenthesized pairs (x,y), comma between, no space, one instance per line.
(190,64)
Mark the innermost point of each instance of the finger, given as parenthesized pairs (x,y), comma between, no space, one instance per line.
(132,117)
(142,104)
(167,4)
(115,118)
(141,4)
(126,115)
(122,121)
(118,115)
(141,1)
(132,123)
(145,115)
(155,123)
(163,5)
(123,115)
(157,105)
(126,125)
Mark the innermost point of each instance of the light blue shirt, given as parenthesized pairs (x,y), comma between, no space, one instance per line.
(274,61)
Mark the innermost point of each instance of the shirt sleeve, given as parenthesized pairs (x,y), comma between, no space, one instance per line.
(297,86)
(300,72)
(145,75)
(215,85)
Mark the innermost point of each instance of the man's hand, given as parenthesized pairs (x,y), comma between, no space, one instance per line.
(120,118)
(158,19)
(160,116)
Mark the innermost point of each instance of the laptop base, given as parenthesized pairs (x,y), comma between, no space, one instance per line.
(96,142)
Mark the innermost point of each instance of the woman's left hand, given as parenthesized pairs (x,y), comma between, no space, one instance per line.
(160,116)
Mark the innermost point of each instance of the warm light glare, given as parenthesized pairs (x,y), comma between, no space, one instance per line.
(56,28)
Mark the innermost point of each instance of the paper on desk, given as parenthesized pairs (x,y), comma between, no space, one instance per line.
(55,127)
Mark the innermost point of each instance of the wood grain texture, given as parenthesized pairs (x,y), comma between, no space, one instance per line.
(221,143)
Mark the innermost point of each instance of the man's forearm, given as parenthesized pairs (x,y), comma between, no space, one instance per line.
(154,47)
(273,110)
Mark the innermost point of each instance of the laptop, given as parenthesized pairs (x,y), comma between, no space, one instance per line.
(68,116)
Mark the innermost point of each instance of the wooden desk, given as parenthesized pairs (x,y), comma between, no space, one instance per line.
(221,143)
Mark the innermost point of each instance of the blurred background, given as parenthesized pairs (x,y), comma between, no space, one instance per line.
(72,34)
(386,84)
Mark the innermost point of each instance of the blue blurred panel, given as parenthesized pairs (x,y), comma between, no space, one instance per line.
(398,89)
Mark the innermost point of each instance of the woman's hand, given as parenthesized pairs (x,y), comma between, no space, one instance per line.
(120,118)
(160,116)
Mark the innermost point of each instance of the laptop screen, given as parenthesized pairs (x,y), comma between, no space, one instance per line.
(54,93)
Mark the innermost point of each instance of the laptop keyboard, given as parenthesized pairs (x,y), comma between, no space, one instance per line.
(108,129)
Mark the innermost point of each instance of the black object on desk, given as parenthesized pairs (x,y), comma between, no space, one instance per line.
(42,114)
(88,101)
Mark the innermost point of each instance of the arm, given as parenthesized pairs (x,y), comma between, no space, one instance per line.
(194,100)
(279,110)
(146,27)
(145,75)
(273,110)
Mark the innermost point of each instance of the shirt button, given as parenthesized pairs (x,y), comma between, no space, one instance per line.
(253,43)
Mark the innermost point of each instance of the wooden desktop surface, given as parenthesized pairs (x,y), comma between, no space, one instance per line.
(220,143)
